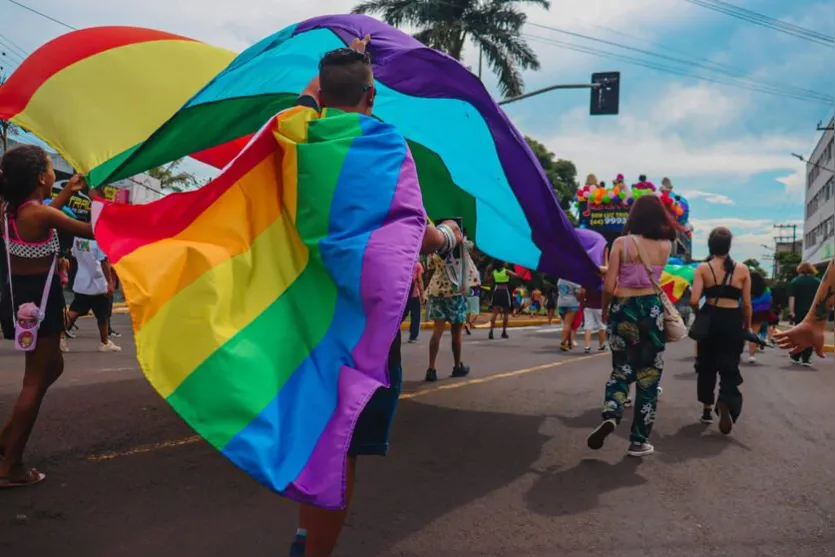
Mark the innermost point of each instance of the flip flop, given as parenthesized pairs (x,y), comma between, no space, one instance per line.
(31,477)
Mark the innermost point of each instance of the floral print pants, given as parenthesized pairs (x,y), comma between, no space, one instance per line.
(636,339)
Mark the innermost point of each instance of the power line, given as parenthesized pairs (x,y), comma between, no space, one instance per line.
(701,61)
(765,21)
(681,72)
(13,45)
(43,15)
(731,72)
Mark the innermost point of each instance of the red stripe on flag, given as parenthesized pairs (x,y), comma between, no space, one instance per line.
(61,53)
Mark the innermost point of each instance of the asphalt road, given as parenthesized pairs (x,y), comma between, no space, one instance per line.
(494,465)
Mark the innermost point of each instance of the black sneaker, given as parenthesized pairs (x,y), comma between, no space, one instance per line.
(431,375)
(599,435)
(504,334)
(467,330)
(490,335)
(114,334)
(726,423)
(460,370)
(707,416)
(69,333)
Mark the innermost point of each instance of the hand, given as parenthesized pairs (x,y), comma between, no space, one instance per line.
(360,44)
(110,290)
(605,316)
(76,183)
(802,336)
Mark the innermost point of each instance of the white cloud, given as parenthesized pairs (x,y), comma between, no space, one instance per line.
(753,238)
(700,139)
(708,196)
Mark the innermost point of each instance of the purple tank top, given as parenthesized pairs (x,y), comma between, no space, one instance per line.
(633,274)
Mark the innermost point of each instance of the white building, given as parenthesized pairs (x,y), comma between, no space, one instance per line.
(819,221)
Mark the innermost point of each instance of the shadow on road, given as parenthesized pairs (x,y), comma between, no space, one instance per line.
(695,441)
(578,489)
(189,500)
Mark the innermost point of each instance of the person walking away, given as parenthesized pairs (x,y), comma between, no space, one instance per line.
(536,301)
(500,301)
(346,82)
(30,231)
(567,306)
(93,289)
(761,302)
(551,303)
(635,322)
(415,303)
(593,319)
(446,305)
(809,332)
(802,291)
(727,310)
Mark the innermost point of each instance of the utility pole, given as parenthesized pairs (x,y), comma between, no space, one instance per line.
(793,227)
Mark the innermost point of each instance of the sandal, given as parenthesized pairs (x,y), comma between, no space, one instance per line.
(31,477)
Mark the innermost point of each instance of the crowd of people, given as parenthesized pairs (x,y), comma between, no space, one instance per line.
(628,315)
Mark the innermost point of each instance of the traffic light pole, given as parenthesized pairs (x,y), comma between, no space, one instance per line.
(548,89)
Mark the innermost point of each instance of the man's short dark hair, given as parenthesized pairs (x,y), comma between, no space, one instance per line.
(344,76)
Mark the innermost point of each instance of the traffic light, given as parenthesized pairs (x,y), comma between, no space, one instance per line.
(605,95)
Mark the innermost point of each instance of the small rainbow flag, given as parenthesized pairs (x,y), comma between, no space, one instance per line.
(265,304)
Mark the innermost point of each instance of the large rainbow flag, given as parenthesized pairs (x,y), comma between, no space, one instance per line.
(265,304)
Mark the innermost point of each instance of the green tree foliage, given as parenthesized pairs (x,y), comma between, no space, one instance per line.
(172,180)
(754,265)
(494,26)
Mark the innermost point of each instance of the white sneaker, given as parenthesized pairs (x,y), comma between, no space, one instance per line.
(109,347)
(752,359)
(64,346)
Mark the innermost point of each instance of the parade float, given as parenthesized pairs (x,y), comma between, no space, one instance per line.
(604,208)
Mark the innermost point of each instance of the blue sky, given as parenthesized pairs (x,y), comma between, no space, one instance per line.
(727,148)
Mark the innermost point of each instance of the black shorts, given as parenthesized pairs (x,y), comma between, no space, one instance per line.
(29,288)
(501,299)
(99,304)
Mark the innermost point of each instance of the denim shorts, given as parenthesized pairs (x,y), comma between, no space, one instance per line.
(567,309)
(371,434)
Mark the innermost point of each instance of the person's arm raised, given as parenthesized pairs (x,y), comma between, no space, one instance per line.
(54,218)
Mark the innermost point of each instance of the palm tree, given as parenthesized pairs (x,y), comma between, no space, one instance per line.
(495,26)
(172,180)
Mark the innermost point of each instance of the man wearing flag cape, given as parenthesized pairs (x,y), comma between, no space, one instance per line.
(345,82)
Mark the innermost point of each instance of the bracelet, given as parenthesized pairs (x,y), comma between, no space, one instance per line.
(449,239)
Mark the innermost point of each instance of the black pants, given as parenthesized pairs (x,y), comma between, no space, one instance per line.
(413,310)
(718,357)
(805,356)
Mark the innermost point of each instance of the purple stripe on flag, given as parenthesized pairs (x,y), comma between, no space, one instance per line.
(384,304)
(422,72)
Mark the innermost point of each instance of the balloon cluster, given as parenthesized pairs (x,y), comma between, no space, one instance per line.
(595,195)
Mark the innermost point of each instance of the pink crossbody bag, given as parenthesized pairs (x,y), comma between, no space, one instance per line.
(27,320)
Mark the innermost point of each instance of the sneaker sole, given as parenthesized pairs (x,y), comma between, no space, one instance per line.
(726,424)
(641,453)
(599,435)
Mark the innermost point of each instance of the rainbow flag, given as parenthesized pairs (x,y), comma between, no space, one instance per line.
(472,162)
(264,305)
(96,94)
(675,279)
